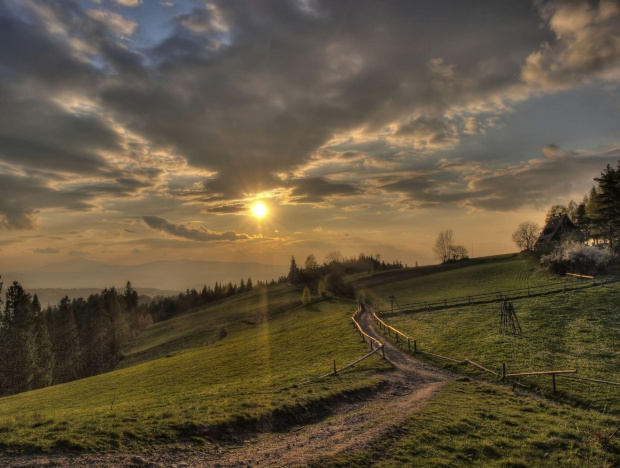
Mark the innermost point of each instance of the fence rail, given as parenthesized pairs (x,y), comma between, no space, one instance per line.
(529,291)
(503,376)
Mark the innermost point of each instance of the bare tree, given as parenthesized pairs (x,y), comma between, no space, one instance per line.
(444,245)
(458,252)
(525,235)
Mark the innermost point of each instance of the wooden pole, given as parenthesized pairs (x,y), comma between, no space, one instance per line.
(503,371)
(553,377)
(415,346)
(335,371)
(409,344)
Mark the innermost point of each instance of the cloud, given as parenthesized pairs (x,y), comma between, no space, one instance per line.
(587,45)
(228,208)
(317,189)
(47,250)
(536,183)
(432,133)
(119,25)
(77,253)
(129,3)
(187,232)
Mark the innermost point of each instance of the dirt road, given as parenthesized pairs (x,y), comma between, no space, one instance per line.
(351,426)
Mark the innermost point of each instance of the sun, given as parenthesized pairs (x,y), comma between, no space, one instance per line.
(259,210)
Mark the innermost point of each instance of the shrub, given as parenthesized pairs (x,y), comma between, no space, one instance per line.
(576,258)
(306,296)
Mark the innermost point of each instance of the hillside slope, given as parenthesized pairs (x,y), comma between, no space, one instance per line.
(251,375)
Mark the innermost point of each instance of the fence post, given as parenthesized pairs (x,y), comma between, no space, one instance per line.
(415,347)
(335,371)
(503,371)
(553,377)
(409,343)
(383,351)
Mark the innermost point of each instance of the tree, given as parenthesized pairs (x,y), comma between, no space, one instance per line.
(306,296)
(131,298)
(19,349)
(458,252)
(65,343)
(608,198)
(444,245)
(44,356)
(525,235)
(311,263)
(333,257)
(293,272)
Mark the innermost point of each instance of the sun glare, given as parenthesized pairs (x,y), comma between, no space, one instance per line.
(259,210)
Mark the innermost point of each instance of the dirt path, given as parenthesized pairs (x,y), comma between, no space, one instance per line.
(351,426)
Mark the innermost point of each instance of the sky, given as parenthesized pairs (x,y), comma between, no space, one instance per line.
(141,130)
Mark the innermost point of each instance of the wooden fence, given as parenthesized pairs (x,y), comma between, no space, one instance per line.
(530,291)
(375,347)
(503,376)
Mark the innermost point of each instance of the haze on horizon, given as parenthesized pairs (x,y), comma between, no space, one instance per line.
(134,131)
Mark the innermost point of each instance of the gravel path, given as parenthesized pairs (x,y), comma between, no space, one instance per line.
(351,426)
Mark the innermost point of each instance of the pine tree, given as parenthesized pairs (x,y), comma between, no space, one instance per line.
(293,273)
(19,352)
(43,343)
(65,343)
(608,213)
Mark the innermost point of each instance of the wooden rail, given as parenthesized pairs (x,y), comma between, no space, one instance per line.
(560,286)
(371,340)
(579,275)
(521,374)
(397,333)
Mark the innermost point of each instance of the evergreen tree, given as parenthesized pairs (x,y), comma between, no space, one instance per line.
(19,351)
(65,343)
(131,298)
(293,273)
(44,354)
(608,199)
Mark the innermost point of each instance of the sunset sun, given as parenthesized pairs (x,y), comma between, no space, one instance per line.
(259,210)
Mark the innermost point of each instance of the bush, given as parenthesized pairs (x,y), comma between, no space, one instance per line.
(576,258)
(306,296)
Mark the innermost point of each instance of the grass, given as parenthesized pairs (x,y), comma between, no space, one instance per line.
(577,329)
(200,326)
(252,374)
(497,274)
(474,423)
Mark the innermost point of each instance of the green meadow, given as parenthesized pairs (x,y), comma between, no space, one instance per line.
(477,424)
(573,330)
(253,374)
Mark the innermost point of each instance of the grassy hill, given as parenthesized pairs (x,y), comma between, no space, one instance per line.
(479,276)
(576,329)
(200,326)
(477,424)
(250,377)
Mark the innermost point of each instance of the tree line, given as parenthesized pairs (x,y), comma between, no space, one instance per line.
(71,340)
(329,273)
(596,217)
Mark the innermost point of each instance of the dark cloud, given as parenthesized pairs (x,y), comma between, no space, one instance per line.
(47,250)
(77,253)
(317,189)
(186,232)
(229,208)
(423,192)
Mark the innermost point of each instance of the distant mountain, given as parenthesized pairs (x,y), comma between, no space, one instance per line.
(51,296)
(165,274)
